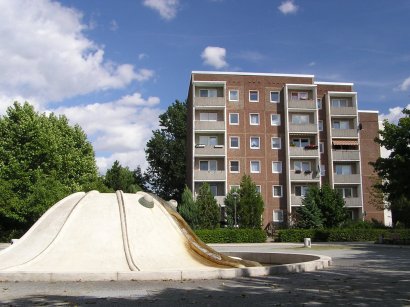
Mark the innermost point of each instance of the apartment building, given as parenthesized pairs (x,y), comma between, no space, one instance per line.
(288,132)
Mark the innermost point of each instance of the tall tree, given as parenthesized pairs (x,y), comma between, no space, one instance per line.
(208,209)
(165,153)
(188,208)
(121,178)
(309,214)
(42,159)
(394,170)
(250,204)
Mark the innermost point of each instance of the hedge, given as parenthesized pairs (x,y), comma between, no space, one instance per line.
(230,235)
(339,234)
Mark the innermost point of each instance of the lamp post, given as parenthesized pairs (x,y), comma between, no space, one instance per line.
(235,196)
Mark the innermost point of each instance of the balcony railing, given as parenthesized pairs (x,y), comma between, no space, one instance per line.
(343,111)
(209,101)
(352,178)
(311,175)
(348,155)
(302,104)
(296,200)
(303,128)
(353,202)
(209,125)
(344,133)
(302,152)
(209,150)
(209,175)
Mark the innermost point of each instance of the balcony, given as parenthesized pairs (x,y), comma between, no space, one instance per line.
(296,200)
(352,202)
(352,133)
(302,104)
(209,102)
(343,111)
(302,152)
(209,175)
(345,155)
(209,125)
(352,178)
(303,128)
(300,176)
(209,150)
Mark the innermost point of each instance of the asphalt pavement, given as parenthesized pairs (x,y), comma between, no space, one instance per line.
(362,274)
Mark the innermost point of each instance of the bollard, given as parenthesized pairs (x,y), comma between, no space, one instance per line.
(308,242)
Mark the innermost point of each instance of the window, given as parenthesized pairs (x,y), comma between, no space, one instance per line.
(347,192)
(278,215)
(299,96)
(276,143)
(322,170)
(214,189)
(340,103)
(233,95)
(322,147)
(208,140)
(275,119)
(276,167)
(302,166)
(341,169)
(320,125)
(341,124)
(300,142)
(255,142)
(254,96)
(234,142)
(319,103)
(234,118)
(259,189)
(301,190)
(255,167)
(234,166)
(274,97)
(206,116)
(254,119)
(208,93)
(300,119)
(277,191)
(208,165)
(234,187)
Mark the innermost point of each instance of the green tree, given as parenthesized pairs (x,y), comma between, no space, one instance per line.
(394,169)
(309,214)
(121,178)
(42,159)
(322,207)
(188,208)
(165,153)
(250,204)
(208,209)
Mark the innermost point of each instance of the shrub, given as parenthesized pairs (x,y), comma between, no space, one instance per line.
(229,235)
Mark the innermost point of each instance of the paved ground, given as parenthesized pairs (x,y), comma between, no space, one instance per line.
(361,275)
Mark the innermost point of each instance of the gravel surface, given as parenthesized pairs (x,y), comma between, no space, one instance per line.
(361,275)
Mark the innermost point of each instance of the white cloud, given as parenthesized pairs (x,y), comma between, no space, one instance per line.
(166,8)
(311,64)
(288,7)
(114,25)
(45,56)
(214,56)
(142,56)
(405,85)
(394,114)
(118,130)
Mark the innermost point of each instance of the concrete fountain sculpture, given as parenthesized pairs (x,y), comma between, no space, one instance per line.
(119,236)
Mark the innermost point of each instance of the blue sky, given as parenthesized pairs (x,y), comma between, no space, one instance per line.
(114,66)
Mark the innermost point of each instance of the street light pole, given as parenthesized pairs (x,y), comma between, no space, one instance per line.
(235,196)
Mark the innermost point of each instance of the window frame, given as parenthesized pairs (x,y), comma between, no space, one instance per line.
(280,168)
(280,142)
(230,142)
(301,165)
(299,94)
(280,215)
(237,95)
(259,142)
(208,91)
(202,114)
(300,116)
(259,166)
(303,190)
(209,165)
(299,142)
(230,166)
(271,121)
(252,92)
(270,97)
(319,105)
(273,191)
(230,119)
(257,116)
(321,147)
(320,125)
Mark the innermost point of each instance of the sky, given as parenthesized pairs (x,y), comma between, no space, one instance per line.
(113,66)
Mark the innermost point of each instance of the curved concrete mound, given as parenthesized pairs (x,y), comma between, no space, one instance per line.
(116,236)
